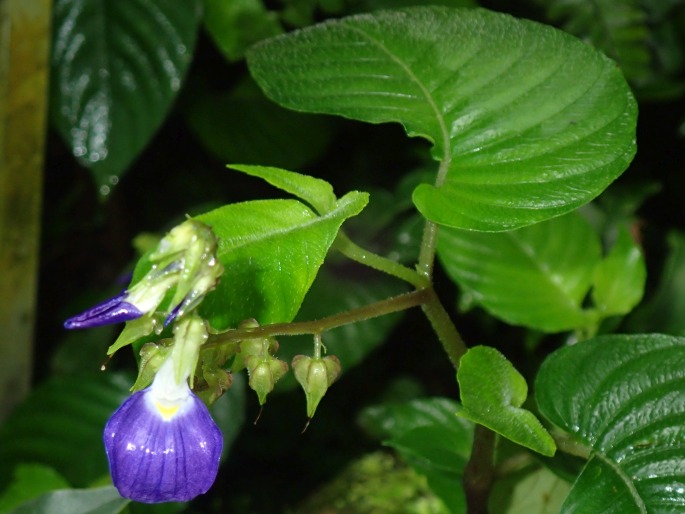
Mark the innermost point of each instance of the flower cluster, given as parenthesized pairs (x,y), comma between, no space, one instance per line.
(161,443)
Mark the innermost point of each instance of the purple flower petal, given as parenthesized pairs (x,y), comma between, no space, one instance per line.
(114,310)
(154,460)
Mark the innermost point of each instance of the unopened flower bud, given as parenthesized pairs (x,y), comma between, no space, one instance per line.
(258,347)
(152,356)
(264,373)
(315,376)
(218,382)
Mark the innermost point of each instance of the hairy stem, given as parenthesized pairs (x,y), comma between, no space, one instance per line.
(387,306)
(480,471)
(358,254)
(444,328)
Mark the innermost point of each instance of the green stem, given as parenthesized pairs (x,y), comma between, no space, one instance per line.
(358,254)
(430,229)
(387,306)
(444,328)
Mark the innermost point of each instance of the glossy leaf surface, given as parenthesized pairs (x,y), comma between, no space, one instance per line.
(492,393)
(536,276)
(116,68)
(529,122)
(621,396)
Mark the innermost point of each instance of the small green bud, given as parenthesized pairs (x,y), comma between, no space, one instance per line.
(259,347)
(218,381)
(315,376)
(152,356)
(264,373)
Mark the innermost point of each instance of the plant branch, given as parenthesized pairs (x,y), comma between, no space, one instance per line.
(358,254)
(381,308)
(444,328)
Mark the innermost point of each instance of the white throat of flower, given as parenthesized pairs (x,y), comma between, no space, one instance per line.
(166,395)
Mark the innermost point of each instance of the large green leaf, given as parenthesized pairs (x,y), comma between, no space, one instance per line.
(529,122)
(116,68)
(622,397)
(536,276)
(101,500)
(60,425)
(271,251)
(492,393)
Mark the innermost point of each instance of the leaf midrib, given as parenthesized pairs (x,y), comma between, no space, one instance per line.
(445,161)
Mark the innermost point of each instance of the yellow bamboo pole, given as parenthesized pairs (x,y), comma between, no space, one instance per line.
(24,69)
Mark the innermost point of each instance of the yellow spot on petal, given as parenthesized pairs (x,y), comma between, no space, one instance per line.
(166,411)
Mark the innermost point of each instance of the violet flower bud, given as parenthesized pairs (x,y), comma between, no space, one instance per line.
(162,444)
(114,310)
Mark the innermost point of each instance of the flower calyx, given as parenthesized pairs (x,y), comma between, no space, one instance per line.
(315,375)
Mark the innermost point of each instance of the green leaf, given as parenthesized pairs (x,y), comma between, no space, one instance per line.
(392,420)
(271,251)
(492,392)
(237,24)
(101,500)
(242,125)
(432,440)
(316,192)
(619,281)
(536,276)
(621,396)
(29,481)
(116,68)
(537,490)
(529,122)
(61,420)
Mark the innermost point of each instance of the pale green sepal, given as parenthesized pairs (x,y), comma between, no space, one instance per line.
(133,331)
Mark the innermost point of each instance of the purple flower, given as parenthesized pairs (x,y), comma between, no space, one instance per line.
(162,443)
(114,310)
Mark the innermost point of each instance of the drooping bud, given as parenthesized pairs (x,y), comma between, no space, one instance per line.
(217,381)
(264,373)
(315,375)
(258,347)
